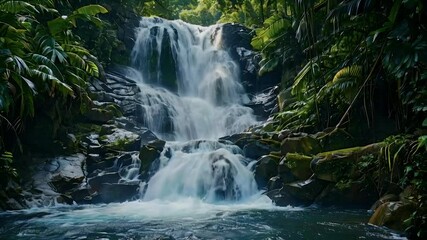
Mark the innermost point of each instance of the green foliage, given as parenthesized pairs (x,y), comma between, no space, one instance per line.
(43,65)
(205,13)
(6,170)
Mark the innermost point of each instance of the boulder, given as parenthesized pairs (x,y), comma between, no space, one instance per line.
(298,165)
(241,139)
(384,199)
(65,172)
(97,181)
(274,183)
(265,169)
(102,114)
(281,198)
(157,144)
(341,164)
(147,155)
(284,172)
(392,215)
(147,136)
(304,143)
(360,193)
(256,149)
(121,140)
(82,196)
(304,192)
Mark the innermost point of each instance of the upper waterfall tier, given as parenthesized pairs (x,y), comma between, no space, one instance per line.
(188,59)
(191,87)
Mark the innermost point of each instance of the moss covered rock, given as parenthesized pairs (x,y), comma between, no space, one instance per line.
(298,165)
(121,140)
(303,143)
(102,113)
(340,164)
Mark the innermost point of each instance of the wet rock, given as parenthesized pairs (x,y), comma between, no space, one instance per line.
(256,149)
(147,155)
(350,194)
(13,204)
(304,143)
(117,192)
(265,169)
(66,172)
(121,140)
(147,136)
(63,184)
(124,160)
(281,198)
(384,199)
(240,139)
(157,144)
(392,215)
(93,158)
(274,183)
(92,167)
(300,193)
(341,164)
(304,192)
(95,149)
(298,165)
(284,172)
(64,199)
(99,115)
(96,182)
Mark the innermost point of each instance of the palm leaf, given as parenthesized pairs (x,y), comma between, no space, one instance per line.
(17,6)
(91,10)
(275,26)
(300,80)
(64,88)
(43,60)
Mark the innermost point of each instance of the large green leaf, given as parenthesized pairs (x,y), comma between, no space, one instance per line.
(91,10)
(276,26)
(17,7)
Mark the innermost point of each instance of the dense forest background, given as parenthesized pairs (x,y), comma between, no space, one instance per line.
(358,66)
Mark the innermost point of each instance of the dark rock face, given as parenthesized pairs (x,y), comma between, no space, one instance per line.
(265,169)
(117,192)
(301,193)
(257,149)
(237,40)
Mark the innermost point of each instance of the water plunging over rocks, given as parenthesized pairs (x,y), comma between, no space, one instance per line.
(182,128)
(186,89)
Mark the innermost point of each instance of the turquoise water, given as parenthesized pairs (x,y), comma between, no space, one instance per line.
(189,219)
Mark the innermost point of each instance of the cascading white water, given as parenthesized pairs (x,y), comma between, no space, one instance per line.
(207,170)
(190,90)
(209,97)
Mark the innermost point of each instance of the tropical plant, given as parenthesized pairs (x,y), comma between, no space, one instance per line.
(43,65)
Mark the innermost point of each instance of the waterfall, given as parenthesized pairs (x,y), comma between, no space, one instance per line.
(190,90)
(195,91)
